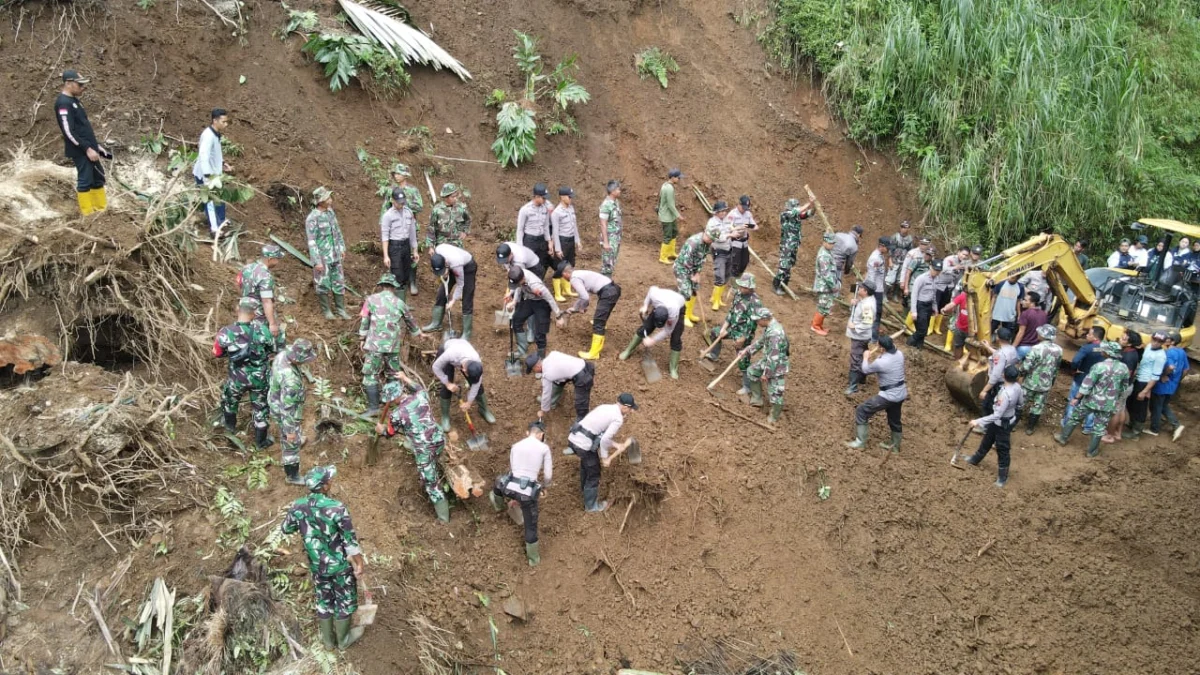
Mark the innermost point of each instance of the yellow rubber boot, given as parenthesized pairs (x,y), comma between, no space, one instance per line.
(688,322)
(593,353)
(663,250)
(99,199)
(567,290)
(558,292)
(936,324)
(673,253)
(85,203)
(910,323)
(949,339)
(716,297)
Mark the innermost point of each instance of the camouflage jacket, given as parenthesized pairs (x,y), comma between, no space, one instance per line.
(1104,385)
(1040,366)
(286,393)
(692,255)
(248,346)
(612,209)
(411,194)
(413,415)
(898,247)
(325,242)
(329,536)
(738,318)
(790,222)
(382,315)
(256,281)
(773,343)
(827,278)
(448,225)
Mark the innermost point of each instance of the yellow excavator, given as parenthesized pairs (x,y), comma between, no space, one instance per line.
(1126,300)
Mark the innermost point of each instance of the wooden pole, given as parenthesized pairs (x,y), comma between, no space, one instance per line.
(725,372)
(770,271)
(820,211)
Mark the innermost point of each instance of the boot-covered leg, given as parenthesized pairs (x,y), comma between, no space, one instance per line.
(339,300)
(468,322)
(522,340)
(663,251)
(496,501)
(673,252)
(1134,432)
(777,285)
(372,392)
(567,290)
(1094,446)
(532,554)
(484,411)
(99,199)
(558,289)
(323,300)
(861,431)
(442,508)
(1001,477)
(637,340)
(673,365)
(745,390)
(436,324)
(714,354)
(773,416)
(85,203)
(894,443)
(1065,435)
(593,352)
(756,393)
(445,421)
(262,438)
(292,474)
(715,299)
(688,321)
(325,626)
(592,502)
(1031,424)
(346,635)
(818,324)
(229,422)
(852,389)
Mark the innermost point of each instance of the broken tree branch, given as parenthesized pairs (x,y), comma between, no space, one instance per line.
(743,417)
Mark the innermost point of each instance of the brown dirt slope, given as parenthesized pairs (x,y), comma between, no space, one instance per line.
(1094,563)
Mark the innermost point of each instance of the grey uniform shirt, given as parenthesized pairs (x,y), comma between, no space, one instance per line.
(456,352)
(890,369)
(535,289)
(526,458)
(534,221)
(584,282)
(718,229)
(523,257)
(456,259)
(845,248)
(558,368)
(1010,398)
(604,421)
(672,301)
(738,218)
(563,226)
(862,319)
(398,225)
(876,271)
(924,289)
(1005,356)
(952,269)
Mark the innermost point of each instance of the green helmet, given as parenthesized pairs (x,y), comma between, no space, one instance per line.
(392,390)
(449,189)
(388,279)
(401,169)
(302,351)
(319,476)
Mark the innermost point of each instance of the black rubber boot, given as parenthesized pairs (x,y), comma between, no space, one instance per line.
(974,459)
(714,354)
(1031,424)
(1002,477)
(292,472)
(1134,433)
(372,392)
(1094,447)
(229,421)
(262,438)
(777,285)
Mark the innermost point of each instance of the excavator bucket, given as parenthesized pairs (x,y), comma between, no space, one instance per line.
(965,385)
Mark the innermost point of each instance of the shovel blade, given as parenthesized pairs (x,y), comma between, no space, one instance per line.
(634,452)
(514,512)
(707,364)
(501,319)
(477,443)
(650,368)
(513,366)
(365,616)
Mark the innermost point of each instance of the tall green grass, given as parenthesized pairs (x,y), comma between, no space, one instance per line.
(1020,115)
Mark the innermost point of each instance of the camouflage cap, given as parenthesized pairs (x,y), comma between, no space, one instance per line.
(745,281)
(761,313)
(449,189)
(319,476)
(1047,332)
(791,203)
(1110,349)
(302,351)
(321,194)
(388,279)
(714,230)
(392,390)
(401,169)
(828,238)
(249,305)
(271,251)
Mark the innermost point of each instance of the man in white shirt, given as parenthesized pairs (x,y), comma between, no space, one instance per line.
(533,225)
(455,269)
(557,369)
(210,164)
(526,459)
(457,355)
(591,438)
(661,314)
(607,294)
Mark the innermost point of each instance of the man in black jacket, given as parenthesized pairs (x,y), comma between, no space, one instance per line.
(80,144)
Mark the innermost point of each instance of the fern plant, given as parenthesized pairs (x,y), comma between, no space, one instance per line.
(656,63)
(516,135)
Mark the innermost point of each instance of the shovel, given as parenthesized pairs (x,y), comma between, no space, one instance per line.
(477,442)
(632,450)
(503,316)
(706,363)
(512,363)
(958,449)
(365,614)
(650,368)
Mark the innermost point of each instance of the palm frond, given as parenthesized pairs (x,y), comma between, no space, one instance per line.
(382,21)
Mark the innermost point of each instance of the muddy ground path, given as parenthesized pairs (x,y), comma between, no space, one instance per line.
(909,566)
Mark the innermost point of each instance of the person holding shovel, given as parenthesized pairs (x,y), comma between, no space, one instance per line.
(529,299)
(526,459)
(457,355)
(455,270)
(556,370)
(887,363)
(660,314)
(687,266)
(285,396)
(998,424)
(607,294)
(334,556)
(592,438)
(383,313)
(790,223)
(739,325)
(771,370)
(410,412)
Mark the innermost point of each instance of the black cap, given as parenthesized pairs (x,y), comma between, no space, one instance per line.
(659,317)
(474,371)
(674,173)
(560,266)
(398,196)
(1011,373)
(503,251)
(565,191)
(857,229)
(744,200)
(515,276)
(883,241)
(438,262)
(627,400)
(886,342)
(1005,333)
(531,361)
(937,265)
(720,206)
(74,76)
(539,190)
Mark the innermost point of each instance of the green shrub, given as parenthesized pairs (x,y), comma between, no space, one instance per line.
(654,62)
(345,57)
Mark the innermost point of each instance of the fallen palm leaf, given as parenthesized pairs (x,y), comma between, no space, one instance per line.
(384,23)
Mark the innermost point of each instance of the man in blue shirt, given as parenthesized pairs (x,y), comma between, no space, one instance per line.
(1006,305)
(1087,356)
(1149,370)
(1167,385)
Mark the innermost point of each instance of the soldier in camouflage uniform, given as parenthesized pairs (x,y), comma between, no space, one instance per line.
(286,398)
(415,203)
(256,281)
(249,347)
(327,249)
(827,283)
(688,263)
(450,221)
(1101,394)
(772,368)
(1040,367)
(334,556)
(610,228)
(379,336)
(789,240)
(739,325)
(411,413)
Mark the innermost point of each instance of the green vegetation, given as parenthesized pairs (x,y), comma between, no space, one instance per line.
(516,135)
(654,62)
(351,56)
(1019,115)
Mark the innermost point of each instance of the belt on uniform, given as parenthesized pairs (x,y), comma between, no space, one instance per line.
(891,386)
(594,438)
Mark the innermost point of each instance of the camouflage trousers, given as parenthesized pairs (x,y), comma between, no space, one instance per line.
(336,596)
(789,243)
(1080,413)
(608,259)
(825,303)
(290,449)
(241,382)
(428,470)
(1035,401)
(685,285)
(331,279)
(373,362)
(740,340)
(775,386)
